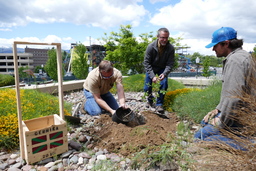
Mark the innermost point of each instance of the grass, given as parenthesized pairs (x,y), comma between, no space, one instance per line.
(135,83)
(196,104)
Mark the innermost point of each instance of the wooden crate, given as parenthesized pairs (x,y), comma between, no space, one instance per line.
(44,137)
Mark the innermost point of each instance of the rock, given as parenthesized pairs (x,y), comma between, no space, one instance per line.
(66,154)
(13,169)
(3,166)
(65,162)
(50,164)
(82,138)
(42,168)
(60,167)
(105,151)
(84,155)
(26,168)
(74,159)
(99,153)
(101,157)
(74,145)
(4,157)
(92,160)
(13,156)
(80,160)
(45,161)
(11,162)
(17,165)
(123,164)
(89,166)
(53,168)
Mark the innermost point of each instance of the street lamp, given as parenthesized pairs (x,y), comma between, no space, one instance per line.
(197,63)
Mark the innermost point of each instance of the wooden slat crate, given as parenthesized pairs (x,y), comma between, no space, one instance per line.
(44,137)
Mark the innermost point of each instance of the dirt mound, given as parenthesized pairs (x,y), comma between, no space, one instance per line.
(127,139)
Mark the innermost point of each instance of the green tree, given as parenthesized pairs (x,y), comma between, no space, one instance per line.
(37,69)
(194,56)
(22,73)
(79,64)
(206,65)
(124,50)
(127,52)
(51,65)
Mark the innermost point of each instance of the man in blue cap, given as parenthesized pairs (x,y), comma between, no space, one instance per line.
(236,68)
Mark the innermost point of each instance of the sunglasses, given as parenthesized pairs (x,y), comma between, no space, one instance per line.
(104,77)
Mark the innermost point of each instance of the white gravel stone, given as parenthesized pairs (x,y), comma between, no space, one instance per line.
(101,157)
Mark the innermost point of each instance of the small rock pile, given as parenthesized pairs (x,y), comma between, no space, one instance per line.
(71,160)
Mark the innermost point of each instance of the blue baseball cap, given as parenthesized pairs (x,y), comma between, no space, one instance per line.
(222,34)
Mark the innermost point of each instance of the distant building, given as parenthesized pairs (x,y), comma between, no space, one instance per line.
(40,56)
(7,65)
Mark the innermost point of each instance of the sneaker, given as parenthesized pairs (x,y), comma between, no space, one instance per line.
(159,109)
(150,104)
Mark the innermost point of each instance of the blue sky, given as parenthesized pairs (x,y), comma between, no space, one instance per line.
(70,21)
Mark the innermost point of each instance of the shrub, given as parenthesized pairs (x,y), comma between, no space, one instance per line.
(6,80)
(34,104)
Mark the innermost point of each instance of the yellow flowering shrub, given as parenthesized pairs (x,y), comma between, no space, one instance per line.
(170,96)
(34,104)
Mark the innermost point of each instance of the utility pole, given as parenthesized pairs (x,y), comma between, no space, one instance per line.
(90,67)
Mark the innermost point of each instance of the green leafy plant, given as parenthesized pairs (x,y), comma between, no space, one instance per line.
(155,89)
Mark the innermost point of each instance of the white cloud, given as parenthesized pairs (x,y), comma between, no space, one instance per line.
(5,29)
(193,16)
(97,13)
(156,1)
(198,19)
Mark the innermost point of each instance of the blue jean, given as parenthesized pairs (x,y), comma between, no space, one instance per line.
(148,89)
(92,107)
(211,133)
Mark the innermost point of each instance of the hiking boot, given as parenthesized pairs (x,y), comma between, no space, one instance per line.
(150,104)
(160,109)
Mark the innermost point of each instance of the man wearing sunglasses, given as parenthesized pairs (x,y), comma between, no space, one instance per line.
(158,63)
(96,89)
